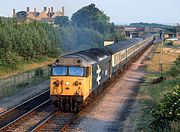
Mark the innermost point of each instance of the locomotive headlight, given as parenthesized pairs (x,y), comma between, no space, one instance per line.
(77,93)
(61,61)
(67,83)
(74,61)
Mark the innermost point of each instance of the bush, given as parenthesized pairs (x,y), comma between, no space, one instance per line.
(175,69)
(10,60)
(167,110)
(26,41)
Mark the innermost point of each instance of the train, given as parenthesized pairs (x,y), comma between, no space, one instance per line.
(75,78)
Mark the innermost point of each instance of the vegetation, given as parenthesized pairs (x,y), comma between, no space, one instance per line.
(24,42)
(92,18)
(160,102)
(88,28)
(166,109)
(149,25)
(169,53)
(171,29)
(75,39)
(174,71)
(166,28)
(61,21)
(21,16)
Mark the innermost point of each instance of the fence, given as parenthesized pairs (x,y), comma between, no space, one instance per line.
(11,85)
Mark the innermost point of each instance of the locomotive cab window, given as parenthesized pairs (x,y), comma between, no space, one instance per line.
(59,71)
(69,71)
(77,71)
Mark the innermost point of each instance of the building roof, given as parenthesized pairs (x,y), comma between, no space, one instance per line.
(31,15)
(58,13)
(43,14)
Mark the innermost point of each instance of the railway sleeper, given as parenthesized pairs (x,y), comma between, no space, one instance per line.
(67,103)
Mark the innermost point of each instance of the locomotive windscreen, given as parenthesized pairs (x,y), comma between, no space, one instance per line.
(68,71)
(76,71)
(59,71)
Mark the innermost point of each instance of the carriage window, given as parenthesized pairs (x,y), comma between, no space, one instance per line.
(58,71)
(76,71)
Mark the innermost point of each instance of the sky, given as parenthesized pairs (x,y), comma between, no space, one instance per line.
(119,11)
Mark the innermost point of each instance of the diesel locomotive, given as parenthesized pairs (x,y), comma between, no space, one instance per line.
(78,76)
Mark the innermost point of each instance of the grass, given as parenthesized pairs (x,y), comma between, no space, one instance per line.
(151,94)
(145,105)
(9,88)
(26,66)
(168,57)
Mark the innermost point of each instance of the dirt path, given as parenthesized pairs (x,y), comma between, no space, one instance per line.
(117,111)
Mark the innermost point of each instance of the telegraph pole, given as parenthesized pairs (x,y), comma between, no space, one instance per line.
(161,57)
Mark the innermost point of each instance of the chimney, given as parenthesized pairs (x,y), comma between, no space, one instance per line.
(34,10)
(49,12)
(27,9)
(62,10)
(52,11)
(14,13)
(45,8)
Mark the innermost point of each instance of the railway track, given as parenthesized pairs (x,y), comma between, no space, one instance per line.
(54,122)
(14,116)
(57,121)
(66,121)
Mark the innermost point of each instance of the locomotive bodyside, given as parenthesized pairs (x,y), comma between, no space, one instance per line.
(76,76)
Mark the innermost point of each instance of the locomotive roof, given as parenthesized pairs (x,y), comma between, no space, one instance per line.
(89,56)
(122,45)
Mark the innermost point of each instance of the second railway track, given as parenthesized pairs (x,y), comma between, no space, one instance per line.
(12,116)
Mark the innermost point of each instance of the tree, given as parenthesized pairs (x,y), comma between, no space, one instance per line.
(61,20)
(26,41)
(21,16)
(92,18)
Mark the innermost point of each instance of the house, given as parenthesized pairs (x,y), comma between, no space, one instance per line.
(44,16)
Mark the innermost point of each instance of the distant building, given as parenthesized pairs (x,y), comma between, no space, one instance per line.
(152,30)
(47,15)
(133,32)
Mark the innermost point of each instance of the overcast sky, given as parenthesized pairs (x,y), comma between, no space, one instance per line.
(120,11)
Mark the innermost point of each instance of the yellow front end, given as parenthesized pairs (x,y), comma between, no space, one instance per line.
(70,86)
(64,86)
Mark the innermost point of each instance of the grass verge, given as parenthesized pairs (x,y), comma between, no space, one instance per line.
(26,66)
(151,96)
